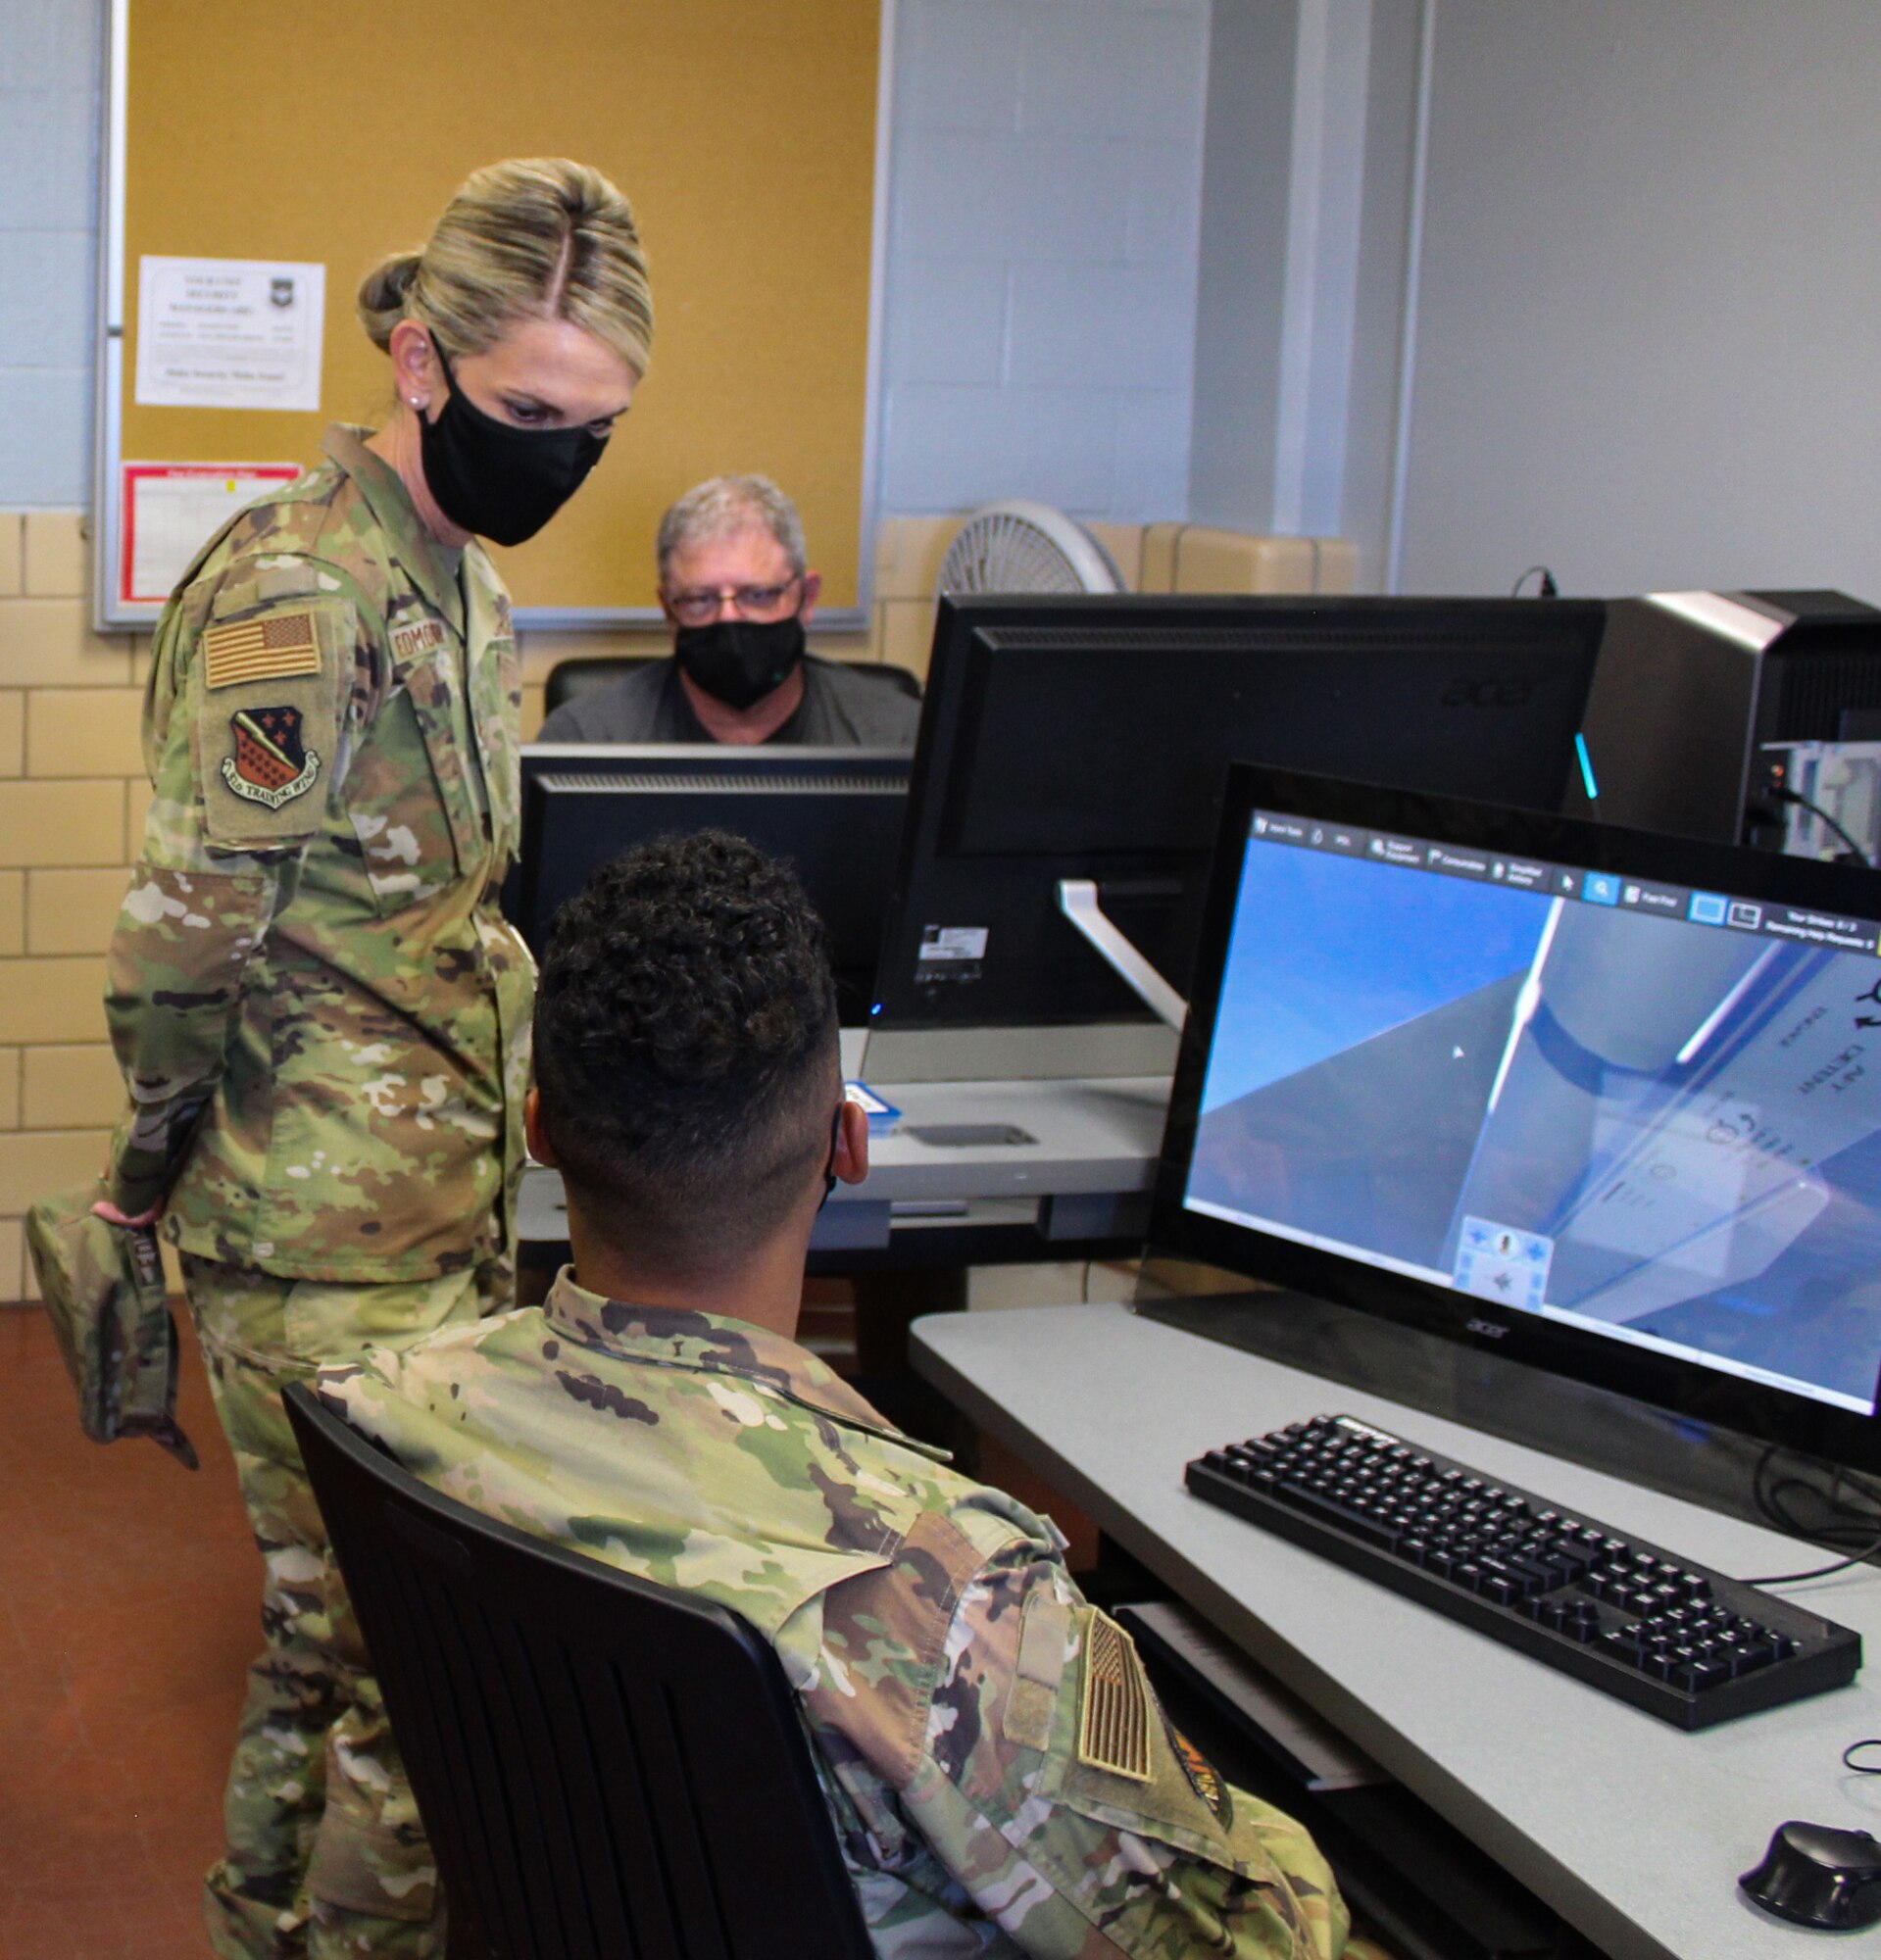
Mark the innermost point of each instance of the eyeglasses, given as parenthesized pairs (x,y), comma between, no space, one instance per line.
(700,608)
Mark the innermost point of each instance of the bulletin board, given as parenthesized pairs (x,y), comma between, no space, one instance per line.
(746,136)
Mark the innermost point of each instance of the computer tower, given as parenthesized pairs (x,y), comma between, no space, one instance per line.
(1691,690)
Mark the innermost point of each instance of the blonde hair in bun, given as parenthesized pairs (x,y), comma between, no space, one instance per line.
(534,237)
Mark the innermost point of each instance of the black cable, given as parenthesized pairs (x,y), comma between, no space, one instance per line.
(1770,1503)
(1863,1769)
(1548,589)
(1817,810)
(1815,1571)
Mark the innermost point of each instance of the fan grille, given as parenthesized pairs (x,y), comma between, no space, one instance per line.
(1024,548)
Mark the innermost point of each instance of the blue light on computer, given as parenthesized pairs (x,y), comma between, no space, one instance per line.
(1586,768)
(1600,888)
(1707,909)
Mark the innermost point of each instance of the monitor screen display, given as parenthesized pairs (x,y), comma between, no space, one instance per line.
(1619,1087)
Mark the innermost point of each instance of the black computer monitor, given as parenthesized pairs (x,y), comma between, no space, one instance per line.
(835,815)
(1600,1100)
(1088,738)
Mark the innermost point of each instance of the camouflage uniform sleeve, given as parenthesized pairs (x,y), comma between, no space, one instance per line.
(1044,1776)
(245,726)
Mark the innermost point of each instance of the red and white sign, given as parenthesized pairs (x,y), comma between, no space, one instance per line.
(172,510)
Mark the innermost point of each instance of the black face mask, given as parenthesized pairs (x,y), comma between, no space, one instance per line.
(497,481)
(740,660)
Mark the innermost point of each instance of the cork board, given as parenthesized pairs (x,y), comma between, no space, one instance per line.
(745,137)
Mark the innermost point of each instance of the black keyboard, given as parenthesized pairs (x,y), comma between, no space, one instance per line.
(1686,1643)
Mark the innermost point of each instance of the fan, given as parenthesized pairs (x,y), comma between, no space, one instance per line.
(1017,546)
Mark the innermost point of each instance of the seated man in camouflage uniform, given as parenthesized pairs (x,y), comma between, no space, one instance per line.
(657,1413)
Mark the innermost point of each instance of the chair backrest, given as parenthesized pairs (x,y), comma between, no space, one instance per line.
(582,676)
(588,671)
(606,1769)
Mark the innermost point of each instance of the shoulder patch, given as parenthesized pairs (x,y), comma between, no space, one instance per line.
(1204,1778)
(1116,1709)
(275,648)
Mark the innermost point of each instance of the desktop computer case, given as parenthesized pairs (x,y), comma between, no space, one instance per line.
(1690,689)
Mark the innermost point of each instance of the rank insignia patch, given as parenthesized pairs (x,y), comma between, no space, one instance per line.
(272,649)
(269,766)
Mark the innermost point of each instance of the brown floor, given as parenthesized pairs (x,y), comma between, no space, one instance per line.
(128,1598)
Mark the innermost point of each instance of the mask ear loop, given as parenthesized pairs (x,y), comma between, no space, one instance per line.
(835,1142)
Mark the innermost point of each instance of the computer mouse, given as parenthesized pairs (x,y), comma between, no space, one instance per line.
(1813,1875)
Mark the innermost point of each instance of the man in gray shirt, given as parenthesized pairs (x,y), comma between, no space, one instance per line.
(737,590)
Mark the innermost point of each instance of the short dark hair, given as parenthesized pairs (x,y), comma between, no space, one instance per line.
(685,1046)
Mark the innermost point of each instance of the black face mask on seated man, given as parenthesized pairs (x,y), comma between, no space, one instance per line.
(740,660)
(495,481)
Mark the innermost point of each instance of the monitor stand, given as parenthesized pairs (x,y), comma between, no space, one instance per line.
(1702,1462)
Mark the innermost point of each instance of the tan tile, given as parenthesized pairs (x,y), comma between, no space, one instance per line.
(907,633)
(9,1091)
(62,822)
(138,796)
(56,555)
(1338,567)
(1215,560)
(12,553)
(13,1262)
(13,914)
(13,732)
(84,731)
(49,643)
(74,911)
(1156,562)
(909,552)
(1124,543)
(36,1162)
(51,1001)
(64,1088)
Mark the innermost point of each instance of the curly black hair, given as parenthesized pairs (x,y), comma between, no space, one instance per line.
(686,1046)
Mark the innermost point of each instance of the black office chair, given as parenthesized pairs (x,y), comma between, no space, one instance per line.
(582,676)
(607,1770)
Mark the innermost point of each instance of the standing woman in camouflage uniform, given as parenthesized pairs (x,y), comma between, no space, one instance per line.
(321,1014)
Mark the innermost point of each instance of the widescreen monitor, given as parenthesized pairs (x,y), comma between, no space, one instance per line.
(833,814)
(1088,738)
(1606,1102)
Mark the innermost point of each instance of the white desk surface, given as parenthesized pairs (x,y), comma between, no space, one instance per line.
(1632,1829)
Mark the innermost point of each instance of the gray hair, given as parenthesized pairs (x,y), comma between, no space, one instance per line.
(723,505)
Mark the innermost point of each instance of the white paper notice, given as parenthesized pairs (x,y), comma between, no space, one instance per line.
(172,510)
(229,333)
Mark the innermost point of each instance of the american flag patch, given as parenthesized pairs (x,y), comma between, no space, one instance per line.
(1113,1724)
(270,649)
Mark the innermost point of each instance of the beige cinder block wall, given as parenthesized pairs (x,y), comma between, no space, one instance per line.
(73,795)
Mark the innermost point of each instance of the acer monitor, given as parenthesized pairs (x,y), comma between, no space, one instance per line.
(1602,1102)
